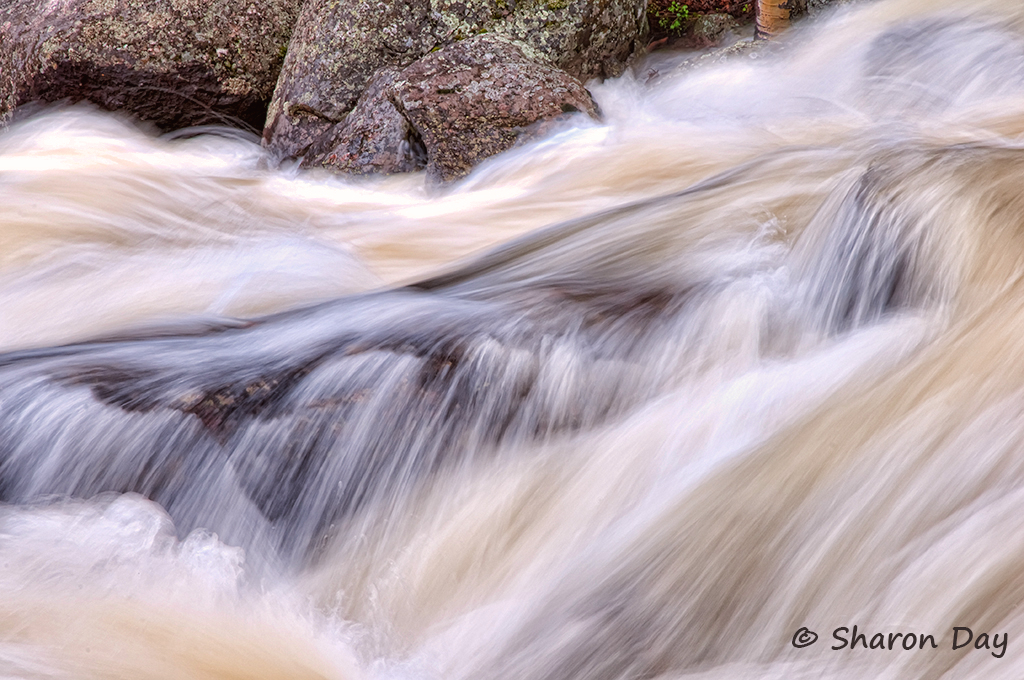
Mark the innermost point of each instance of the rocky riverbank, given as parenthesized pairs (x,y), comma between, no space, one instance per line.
(356,86)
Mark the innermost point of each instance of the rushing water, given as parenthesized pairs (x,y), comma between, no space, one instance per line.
(640,400)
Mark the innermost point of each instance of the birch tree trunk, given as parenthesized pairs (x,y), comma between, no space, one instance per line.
(772,17)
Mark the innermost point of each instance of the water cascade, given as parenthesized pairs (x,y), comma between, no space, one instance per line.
(638,400)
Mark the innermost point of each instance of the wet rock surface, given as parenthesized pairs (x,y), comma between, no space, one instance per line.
(708,29)
(817,6)
(339,47)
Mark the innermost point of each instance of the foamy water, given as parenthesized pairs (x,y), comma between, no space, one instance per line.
(640,400)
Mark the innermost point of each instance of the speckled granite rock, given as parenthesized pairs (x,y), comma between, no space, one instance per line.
(175,63)
(480,97)
(585,38)
(339,45)
(373,138)
(450,110)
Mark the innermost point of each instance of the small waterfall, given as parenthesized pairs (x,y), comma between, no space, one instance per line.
(639,400)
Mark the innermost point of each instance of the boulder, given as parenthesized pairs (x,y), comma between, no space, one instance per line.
(175,63)
(452,109)
(585,38)
(339,46)
(479,97)
(373,138)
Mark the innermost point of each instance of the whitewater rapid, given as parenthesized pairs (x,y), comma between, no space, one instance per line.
(643,399)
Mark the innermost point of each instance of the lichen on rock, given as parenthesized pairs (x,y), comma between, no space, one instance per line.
(174,63)
(480,97)
(450,110)
(373,138)
(339,46)
(585,38)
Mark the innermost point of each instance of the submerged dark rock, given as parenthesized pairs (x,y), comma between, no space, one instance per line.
(276,431)
(175,63)
(363,397)
(709,29)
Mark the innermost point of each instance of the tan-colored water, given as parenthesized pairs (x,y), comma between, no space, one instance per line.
(638,401)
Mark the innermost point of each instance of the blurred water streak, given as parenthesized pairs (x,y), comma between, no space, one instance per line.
(639,400)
